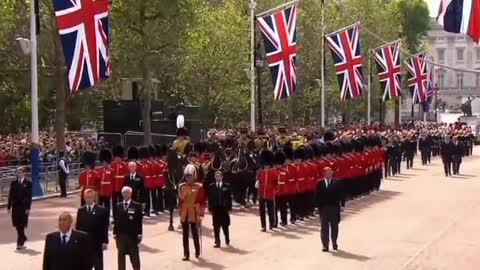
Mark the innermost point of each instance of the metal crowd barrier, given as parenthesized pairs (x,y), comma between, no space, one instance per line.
(48,178)
(112,139)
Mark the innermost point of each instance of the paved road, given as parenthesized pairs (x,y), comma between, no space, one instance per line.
(420,220)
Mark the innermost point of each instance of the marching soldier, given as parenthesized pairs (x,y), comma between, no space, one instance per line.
(145,169)
(119,169)
(410,146)
(192,208)
(457,149)
(160,165)
(281,198)
(94,220)
(128,229)
(424,147)
(105,172)
(19,203)
(291,170)
(267,183)
(300,199)
(88,178)
(446,148)
(220,205)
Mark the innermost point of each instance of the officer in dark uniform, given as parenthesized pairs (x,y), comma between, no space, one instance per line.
(457,149)
(425,148)
(410,146)
(94,220)
(136,181)
(220,204)
(19,203)
(446,148)
(128,229)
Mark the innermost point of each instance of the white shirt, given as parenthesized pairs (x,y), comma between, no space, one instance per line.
(68,234)
(219,184)
(21,180)
(126,202)
(132,176)
(90,207)
(62,166)
(327,182)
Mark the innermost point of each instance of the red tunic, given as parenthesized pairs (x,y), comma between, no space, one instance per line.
(312,175)
(119,169)
(292,179)
(162,173)
(267,179)
(302,177)
(145,169)
(106,181)
(89,179)
(282,188)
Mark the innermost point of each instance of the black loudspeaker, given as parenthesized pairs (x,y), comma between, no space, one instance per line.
(121,116)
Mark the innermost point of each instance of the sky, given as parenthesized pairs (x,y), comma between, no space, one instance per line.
(433,6)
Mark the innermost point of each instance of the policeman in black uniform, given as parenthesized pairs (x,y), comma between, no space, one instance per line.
(62,174)
(446,148)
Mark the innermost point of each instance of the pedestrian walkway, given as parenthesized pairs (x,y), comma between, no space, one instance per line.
(419,220)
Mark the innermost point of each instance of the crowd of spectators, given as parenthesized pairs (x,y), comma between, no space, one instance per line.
(15,148)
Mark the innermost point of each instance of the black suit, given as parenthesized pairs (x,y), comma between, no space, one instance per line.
(74,255)
(138,186)
(20,201)
(446,148)
(457,153)
(127,228)
(95,223)
(220,204)
(328,202)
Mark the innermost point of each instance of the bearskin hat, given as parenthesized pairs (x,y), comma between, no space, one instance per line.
(182,132)
(321,149)
(132,153)
(160,150)
(105,156)
(358,145)
(308,152)
(280,157)
(117,151)
(288,150)
(299,153)
(328,136)
(89,159)
(315,150)
(198,147)
(267,157)
(144,152)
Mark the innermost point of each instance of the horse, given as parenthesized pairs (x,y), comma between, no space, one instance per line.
(243,174)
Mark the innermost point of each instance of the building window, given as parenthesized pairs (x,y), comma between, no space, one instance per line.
(441,55)
(460,55)
(441,80)
(460,81)
(478,55)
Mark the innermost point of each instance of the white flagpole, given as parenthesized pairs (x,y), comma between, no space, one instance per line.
(322,67)
(369,93)
(253,5)
(400,109)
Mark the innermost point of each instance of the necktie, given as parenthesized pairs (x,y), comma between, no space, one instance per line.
(125,206)
(131,176)
(88,209)
(64,239)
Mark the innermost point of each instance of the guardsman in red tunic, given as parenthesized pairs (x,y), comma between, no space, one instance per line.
(162,175)
(267,183)
(105,172)
(291,183)
(310,181)
(145,169)
(281,198)
(88,178)
(300,200)
(119,169)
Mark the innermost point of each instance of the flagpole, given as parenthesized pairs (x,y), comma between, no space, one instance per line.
(253,5)
(343,29)
(322,67)
(386,44)
(369,93)
(276,8)
(400,110)
(35,157)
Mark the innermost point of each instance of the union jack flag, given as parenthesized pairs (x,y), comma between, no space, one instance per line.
(83,28)
(389,67)
(280,36)
(418,78)
(347,56)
